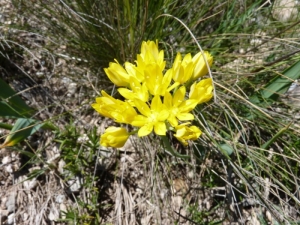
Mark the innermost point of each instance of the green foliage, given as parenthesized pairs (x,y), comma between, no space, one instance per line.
(276,87)
(204,217)
(101,31)
(81,160)
(22,129)
(77,156)
(11,104)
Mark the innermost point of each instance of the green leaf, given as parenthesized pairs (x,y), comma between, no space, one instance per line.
(8,111)
(6,126)
(277,86)
(11,104)
(22,129)
(226,148)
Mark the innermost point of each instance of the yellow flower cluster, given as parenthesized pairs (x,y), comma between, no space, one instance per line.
(155,98)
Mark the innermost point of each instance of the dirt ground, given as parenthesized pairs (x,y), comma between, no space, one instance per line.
(55,83)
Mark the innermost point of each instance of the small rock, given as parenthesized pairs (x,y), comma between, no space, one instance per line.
(11,218)
(53,215)
(285,10)
(72,88)
(9,168)
(75,184)
(10,204)
(29,184)
(59,198)
(6,159)
(61,165)
(66,81)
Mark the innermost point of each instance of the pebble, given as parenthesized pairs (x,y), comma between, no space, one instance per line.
(10,204)
(72,88)
(11,219)
(30,184)
(75,184)
(60,198)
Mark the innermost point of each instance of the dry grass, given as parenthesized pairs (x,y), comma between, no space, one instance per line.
(142,183)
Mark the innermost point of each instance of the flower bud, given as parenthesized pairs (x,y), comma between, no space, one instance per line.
(114,137)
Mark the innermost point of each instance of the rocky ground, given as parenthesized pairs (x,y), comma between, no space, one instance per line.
(54,84)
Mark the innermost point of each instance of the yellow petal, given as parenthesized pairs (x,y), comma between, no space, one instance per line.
(142,107)
(139,121)
(201,68)
(117,74)
(145,130)
(173,120)
(156,104)
(179,96)
(185,116)
(160,128)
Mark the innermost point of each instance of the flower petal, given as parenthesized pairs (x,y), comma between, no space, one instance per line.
(185,116)
(142,107)
(160,128)
(200,64)
(145,130)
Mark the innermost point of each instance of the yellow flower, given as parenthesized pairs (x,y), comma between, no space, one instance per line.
(183,69)
(117,74)
(200,65)
(135,72)
(121,112)
(178,107)
(114,137)
(153,117)
(156,82)
(151,55)
(185,133)
(202,91)
(145,84)
(138,90)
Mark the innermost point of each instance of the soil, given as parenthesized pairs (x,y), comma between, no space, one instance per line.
(61,87)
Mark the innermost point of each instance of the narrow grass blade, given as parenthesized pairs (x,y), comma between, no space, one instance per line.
(22,129)
(7,111)
(276,87)
(275,137)
(11,104)
(6,126)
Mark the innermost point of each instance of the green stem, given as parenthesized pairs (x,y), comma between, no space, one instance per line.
(275,137)
(6,126)
(169,148)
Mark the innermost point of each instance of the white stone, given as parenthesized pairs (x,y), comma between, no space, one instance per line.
(59,198)
(75,184)
(285,10)
(29,184)
(72,88)
(10,204)
(9,168)
(53,215)
(11,219)
(6,159)
(61,165)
